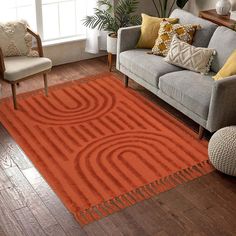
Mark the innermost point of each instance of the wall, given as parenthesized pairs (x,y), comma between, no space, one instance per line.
(193,6)
(68,52)
(146,6)
(75,51)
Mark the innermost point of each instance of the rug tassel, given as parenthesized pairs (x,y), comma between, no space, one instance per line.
(124,197)
(145,192)
(103,210)
(118,199)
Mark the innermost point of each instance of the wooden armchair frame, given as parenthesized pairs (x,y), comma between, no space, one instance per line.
(16,82)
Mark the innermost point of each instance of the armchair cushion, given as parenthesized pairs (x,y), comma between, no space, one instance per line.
(21,67)
(15,41)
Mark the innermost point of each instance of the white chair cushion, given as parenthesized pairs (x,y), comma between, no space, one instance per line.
(21,67)
(15,40)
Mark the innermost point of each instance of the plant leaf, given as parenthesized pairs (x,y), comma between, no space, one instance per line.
(181,3)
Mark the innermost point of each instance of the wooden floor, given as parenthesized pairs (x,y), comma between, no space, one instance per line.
(28,206)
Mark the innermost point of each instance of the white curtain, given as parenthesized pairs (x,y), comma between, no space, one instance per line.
(96,40)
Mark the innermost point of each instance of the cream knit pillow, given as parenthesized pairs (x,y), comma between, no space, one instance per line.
(189,57)
(15,41)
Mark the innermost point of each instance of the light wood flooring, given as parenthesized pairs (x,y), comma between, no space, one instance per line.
(28,206)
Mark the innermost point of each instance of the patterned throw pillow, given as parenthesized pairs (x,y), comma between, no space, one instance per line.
(189,57)
(15,41)
(167,32)
(149,30)
(229,68)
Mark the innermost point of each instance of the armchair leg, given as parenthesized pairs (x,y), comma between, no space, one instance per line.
(201,132)
(13,88)
(126,81)
(45,84)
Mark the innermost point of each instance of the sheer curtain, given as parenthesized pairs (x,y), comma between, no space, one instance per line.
(96,40)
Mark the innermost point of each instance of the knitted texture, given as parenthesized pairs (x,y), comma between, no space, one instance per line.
(15,40)
(222,150)
(189,57)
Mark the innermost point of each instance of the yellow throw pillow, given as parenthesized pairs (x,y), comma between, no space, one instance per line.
(149,30)
(167,32)
(228,69)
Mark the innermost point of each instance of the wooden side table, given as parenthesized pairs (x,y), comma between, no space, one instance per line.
(212,16)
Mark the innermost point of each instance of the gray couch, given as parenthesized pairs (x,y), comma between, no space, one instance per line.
(212,104)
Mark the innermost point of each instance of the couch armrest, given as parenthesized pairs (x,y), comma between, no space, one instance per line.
(2,65)
(222,111)
(127,39)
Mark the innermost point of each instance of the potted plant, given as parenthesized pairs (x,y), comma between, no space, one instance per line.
(108,17)
(165,7)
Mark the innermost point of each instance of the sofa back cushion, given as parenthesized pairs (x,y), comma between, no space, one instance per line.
(202,36)
(224,42)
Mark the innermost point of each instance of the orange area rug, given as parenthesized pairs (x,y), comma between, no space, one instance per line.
(103,147)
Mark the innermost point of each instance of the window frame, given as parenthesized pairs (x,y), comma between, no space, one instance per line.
(38,15)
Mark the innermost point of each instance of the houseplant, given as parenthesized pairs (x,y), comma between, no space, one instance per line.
(165,7)
(110,18)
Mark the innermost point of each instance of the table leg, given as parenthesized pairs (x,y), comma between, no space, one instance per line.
(110,61)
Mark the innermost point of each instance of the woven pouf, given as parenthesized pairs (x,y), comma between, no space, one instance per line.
(222,150)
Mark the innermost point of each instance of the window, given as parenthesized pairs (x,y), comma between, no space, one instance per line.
(18,9)
(53,19)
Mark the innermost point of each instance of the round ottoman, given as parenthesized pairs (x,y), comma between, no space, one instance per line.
(222,150)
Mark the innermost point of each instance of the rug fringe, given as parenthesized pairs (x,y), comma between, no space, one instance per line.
(143,193)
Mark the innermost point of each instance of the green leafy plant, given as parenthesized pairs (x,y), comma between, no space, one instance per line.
(165,7)
(110,18)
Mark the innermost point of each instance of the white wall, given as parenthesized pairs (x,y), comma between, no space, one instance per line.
(68,52)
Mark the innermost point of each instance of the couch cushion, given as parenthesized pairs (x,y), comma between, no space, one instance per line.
(224,41)
(148,67)
(190,89)
(203,35)
(21,67)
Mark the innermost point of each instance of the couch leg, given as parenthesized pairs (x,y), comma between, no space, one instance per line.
(126,78)
(201,132)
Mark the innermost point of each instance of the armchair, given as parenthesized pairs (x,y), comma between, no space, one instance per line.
(16,69)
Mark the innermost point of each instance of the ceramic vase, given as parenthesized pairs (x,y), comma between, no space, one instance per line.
(223,7)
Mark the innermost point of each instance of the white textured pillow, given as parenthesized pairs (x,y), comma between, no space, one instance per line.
(189,57)
(15,41)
